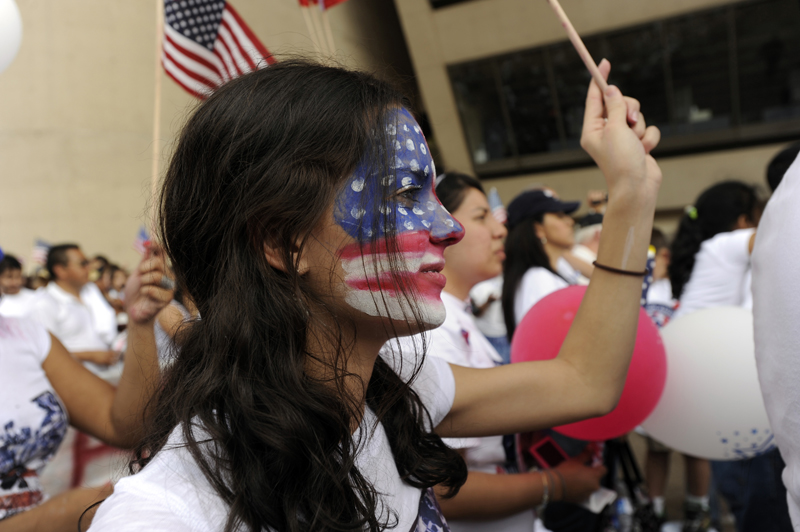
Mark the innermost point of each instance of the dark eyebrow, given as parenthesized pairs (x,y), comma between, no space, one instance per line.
(483,210)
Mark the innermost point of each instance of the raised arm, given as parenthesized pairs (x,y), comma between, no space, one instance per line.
(587,377)
(95,407)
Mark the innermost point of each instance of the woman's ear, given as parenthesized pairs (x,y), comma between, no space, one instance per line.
(276,257)
(539,230)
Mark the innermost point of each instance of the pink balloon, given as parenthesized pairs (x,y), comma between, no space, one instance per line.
(539,337)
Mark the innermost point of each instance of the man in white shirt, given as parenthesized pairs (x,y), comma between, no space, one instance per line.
(776,316)
(15,300)
(69,309)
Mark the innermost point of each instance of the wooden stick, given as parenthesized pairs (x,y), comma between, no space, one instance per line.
(579,46)
(328,33)
(310,26)
(156,115)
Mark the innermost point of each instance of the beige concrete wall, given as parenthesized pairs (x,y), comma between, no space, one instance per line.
(482,28)
(76,110)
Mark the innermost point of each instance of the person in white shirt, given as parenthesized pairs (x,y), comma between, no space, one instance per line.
(300,216)
(43,389)
(491,499)
(73,309)
(540,234)
(15,300)
(587,237)
(776,315)
(710,267)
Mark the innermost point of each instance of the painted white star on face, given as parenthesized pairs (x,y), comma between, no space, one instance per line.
(357,185)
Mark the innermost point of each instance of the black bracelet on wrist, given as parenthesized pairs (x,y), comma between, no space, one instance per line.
(616,270)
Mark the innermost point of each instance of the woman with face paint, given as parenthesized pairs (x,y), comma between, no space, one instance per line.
(490,499)
(300,216)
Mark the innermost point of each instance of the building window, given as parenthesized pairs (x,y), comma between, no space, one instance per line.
(718,78)
(436,4)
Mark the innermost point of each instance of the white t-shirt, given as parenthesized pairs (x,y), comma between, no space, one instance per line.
(491,323)
(537,283)
(460,342)
(33,421)
(18,305)
(776,314)
(70,319)
(719,276)
(171,494)
(660,305)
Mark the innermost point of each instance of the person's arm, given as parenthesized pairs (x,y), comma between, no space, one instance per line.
(587,377)
(486,497)
(170,319)
(104,358)
(94,406)
(581,266)
(58,514)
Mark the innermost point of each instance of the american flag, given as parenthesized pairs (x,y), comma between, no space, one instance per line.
(206,43)
(498,210)
(39,253)
(141,240)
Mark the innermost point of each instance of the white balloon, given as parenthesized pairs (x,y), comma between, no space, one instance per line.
(712,405)
(10,32)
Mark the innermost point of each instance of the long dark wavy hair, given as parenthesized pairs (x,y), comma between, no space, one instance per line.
(260,162)
(716,211)
(524,250)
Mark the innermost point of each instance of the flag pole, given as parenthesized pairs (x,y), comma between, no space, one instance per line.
(318,30)
(310,26)
(328,33)
(156,114)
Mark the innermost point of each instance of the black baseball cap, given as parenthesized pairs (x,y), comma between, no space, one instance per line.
(534,202)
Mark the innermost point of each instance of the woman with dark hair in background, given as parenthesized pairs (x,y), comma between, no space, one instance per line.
(539,234)
(710,267)
(300,216)
(490,499)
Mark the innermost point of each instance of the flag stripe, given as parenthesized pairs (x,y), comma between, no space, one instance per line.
(256,44)
(221,51)
(195,69)
(242,65)
(179,76)
(207,44)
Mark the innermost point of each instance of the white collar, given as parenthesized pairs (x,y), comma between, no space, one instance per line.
(60,294)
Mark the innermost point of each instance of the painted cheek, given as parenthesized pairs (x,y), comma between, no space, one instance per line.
(375,289)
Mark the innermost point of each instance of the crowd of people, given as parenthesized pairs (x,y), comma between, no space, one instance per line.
(323,341)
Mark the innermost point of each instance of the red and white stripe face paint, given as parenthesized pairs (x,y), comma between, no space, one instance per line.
(424,229)
(374,289)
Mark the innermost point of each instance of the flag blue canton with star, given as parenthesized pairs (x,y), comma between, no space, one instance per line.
(198,20)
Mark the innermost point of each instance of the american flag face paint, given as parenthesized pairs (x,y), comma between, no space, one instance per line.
(422,226)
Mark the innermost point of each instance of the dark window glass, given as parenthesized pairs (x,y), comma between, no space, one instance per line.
(699,70)
(442,3)
(476,91)
(710,79)
(768,51)
(529,103)
(571,80)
